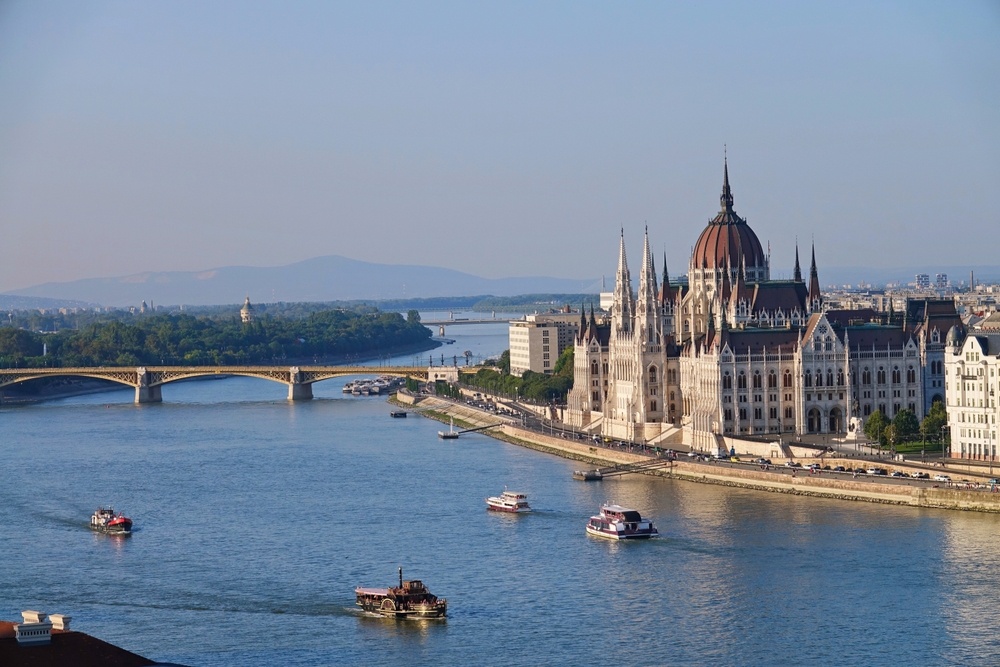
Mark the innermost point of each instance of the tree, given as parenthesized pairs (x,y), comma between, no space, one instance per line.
(504,363)
(413,316)
(564,364)
(905,424)
(935,419)
(875,427)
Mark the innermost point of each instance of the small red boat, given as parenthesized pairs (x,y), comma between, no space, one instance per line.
(106,521)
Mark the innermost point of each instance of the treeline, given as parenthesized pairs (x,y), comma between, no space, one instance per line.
(182,339)
(905,427)
(533,386)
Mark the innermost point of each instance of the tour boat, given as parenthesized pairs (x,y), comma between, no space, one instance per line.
(508,501)
(398,413)
(106,521)
(410,599)
(620,523)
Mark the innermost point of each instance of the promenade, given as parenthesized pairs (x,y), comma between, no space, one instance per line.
(748,475)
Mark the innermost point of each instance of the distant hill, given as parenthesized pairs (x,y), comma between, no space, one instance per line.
(330,278)
(9,302)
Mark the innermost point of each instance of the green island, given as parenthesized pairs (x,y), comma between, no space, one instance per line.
(211,339)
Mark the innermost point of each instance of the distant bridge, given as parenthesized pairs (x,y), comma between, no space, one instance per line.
(148,380)
(441,324)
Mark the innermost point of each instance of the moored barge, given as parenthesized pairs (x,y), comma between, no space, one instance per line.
(410,599)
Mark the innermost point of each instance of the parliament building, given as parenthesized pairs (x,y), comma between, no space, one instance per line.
(731,352)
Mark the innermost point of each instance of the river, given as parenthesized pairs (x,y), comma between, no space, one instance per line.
(256,518)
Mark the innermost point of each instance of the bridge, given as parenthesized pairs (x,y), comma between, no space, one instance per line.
(149,380)
(441,324)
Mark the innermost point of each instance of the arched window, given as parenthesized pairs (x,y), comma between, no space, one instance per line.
(652,406)
(911,375)
(866,376)
(652,373)
(881,376)
(829,377)
(809,378)
(757,380)
(772,380)
(840,378)
(593,367)
(895,375)
(786,381)
(819,378)
(727,381)
(741,382)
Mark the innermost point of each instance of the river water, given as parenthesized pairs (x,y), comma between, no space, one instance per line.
(255,519)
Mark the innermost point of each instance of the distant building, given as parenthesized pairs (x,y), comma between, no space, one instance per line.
(923,281)
(538,340)
(246,312)
(941,280)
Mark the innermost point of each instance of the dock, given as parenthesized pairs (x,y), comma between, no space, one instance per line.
(598,474)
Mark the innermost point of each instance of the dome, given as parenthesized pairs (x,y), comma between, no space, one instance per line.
(728,239)
(954,336)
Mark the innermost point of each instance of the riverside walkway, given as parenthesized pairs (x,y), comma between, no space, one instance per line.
(148,380)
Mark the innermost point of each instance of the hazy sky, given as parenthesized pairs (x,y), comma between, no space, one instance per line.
(496,138)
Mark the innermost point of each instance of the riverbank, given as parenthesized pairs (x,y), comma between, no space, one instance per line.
(775,480)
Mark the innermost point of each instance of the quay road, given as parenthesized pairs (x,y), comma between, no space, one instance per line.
(533,422)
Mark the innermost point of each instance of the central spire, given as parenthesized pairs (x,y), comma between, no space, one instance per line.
(726,200)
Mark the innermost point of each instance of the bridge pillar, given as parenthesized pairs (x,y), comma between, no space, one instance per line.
(144,393)
(441,331)
(149,394)
(297,389)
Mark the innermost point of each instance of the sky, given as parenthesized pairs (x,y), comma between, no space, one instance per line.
(496,138)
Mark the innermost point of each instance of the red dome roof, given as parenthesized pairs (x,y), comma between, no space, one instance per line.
(728,239)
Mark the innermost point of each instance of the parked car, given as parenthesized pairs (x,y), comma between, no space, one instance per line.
(792,464)
(734,459)
(941,478)
(812,466)
(839,469)
(896,473)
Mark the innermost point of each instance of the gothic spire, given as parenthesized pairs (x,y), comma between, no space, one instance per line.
(666,277)
(798,271)
(583,320)
(624,306)
(815,297)
(726,200)
(647,280)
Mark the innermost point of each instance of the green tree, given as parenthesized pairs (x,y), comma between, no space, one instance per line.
(875,427)
(413,316)
(504,362)
(905,424)
(935,419)
(564,364)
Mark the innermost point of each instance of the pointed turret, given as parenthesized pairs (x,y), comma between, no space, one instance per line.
(798,270)
(583,321)
(647,282)
(624,305)
(726,199)
(815,297)
(592,328)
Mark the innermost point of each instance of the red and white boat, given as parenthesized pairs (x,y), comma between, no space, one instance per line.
(508,501)
(620,523)
(106,521)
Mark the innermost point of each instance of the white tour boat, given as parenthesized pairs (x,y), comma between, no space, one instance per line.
(508,501)
(620,523)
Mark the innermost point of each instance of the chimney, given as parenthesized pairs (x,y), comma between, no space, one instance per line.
(60,621)
(34,630)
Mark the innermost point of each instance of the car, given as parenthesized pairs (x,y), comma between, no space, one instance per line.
(917,475)
(941,478)
(896,473)
(860,471)
(734,459)
(839,469)
(993,482)
(792,464)
(871,471)
(812,466)
(881,471)
(827,468)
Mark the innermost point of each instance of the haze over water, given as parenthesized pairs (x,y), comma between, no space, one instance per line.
(255,520)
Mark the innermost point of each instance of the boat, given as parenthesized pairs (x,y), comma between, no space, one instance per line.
(620,523)
(106,521)
(399,414)
(451,433)
(508,501)
(588,475)
(410,599)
